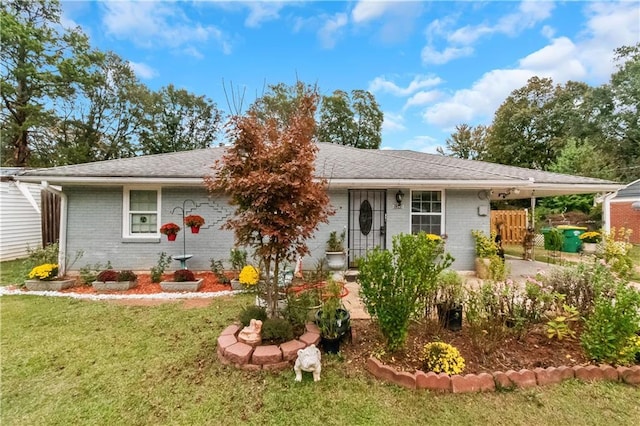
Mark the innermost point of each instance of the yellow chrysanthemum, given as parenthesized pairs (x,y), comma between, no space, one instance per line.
(249,275)
(441,357)
(44,272)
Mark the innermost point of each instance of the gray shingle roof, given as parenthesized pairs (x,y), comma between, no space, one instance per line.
(335,162)
(630,191)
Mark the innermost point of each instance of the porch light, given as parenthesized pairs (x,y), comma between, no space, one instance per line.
(399,197)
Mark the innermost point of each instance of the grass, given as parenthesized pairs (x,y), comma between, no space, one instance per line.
(66,361)
(12,272)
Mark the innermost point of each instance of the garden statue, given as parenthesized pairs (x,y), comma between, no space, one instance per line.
(528,243)
(251,333)
(308,360)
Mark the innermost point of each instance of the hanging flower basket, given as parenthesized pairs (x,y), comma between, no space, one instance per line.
(195,222)
(170,230)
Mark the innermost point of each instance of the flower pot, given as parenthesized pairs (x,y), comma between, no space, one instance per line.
(113,285)
(172,237)
(181,286)
(331,346)
(450,316)
(482,267)
(343,321)
(195,229)
(336,260)
(54,285)
(236,285)
(589,248)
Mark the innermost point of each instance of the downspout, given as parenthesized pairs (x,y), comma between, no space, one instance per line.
(606,211)
(62,237)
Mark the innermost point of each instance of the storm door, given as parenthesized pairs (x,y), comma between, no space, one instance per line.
(367,222)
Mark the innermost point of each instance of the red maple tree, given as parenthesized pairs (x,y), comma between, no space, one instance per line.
(268,174)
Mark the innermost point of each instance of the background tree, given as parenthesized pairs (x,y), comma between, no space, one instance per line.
(268,174)
(100,121)
(177,120)
(39,63)
(467,142)
(618,115)
(354,120)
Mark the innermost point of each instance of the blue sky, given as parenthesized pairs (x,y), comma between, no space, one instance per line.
(431,65)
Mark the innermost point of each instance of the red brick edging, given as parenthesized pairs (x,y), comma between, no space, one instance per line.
(485,382)
(268,357)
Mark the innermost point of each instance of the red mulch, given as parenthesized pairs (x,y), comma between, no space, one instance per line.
(145,286)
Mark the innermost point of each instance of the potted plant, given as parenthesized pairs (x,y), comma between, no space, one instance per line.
(332,319)
(111,280)
(449,300)
(335,253)
(249,276)
(170,230)
(183,280)
(195,222)
(486,250)
(590,241)
(43,278)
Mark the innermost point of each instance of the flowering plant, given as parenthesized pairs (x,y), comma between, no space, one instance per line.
(194,220)
(169,228)
(249,275)
(44,272)
(441,357)
(433,237)
(590,237)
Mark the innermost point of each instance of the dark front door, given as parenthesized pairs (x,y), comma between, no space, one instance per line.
(367,221)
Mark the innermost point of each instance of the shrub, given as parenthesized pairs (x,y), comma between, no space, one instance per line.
(218,270)
(562,326)
(252,312)
(393,283)
(238,259)
(127,275)
(486,246)
(277,330)
(555,240)
(107,275)
(298,307)
(616,248)
(89,273)
(441,357)
(163,263)
(182,275)
(612,326)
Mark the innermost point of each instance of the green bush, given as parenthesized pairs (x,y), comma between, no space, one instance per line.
(555,239)
(611,328)
(163,263)
(486,246)
(299,306)
(277,330)
(395,283)
(252,312)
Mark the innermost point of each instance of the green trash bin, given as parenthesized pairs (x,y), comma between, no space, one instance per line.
(572,240)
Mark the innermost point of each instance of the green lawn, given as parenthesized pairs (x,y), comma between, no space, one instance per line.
(12,272)
(78,362)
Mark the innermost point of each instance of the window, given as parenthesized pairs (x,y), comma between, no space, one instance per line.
(141,212)
(426,212)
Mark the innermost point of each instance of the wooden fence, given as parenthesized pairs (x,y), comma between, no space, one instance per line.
(510,224)
(50,208)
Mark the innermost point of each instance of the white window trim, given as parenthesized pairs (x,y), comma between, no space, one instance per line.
(126,226)
(443,193)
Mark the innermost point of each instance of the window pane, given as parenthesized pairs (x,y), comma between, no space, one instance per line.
(426,202)
(143,223)
(143,201)
(426,223)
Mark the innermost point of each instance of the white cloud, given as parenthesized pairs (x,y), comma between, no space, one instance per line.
(332,29)
(393,122)
(422,98)
(143,70)
(262,11)
(156,24)
(432,56)
(369,10)
(381,84)
(587,58)
(548,31)
(422,143)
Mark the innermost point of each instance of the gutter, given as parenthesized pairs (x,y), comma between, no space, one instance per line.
(62,237)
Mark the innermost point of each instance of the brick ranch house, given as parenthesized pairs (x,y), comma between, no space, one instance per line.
(112,210)
(622,210)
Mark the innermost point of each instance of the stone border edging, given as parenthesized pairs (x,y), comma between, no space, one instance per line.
(485,382)
(266,357)
(102,296)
